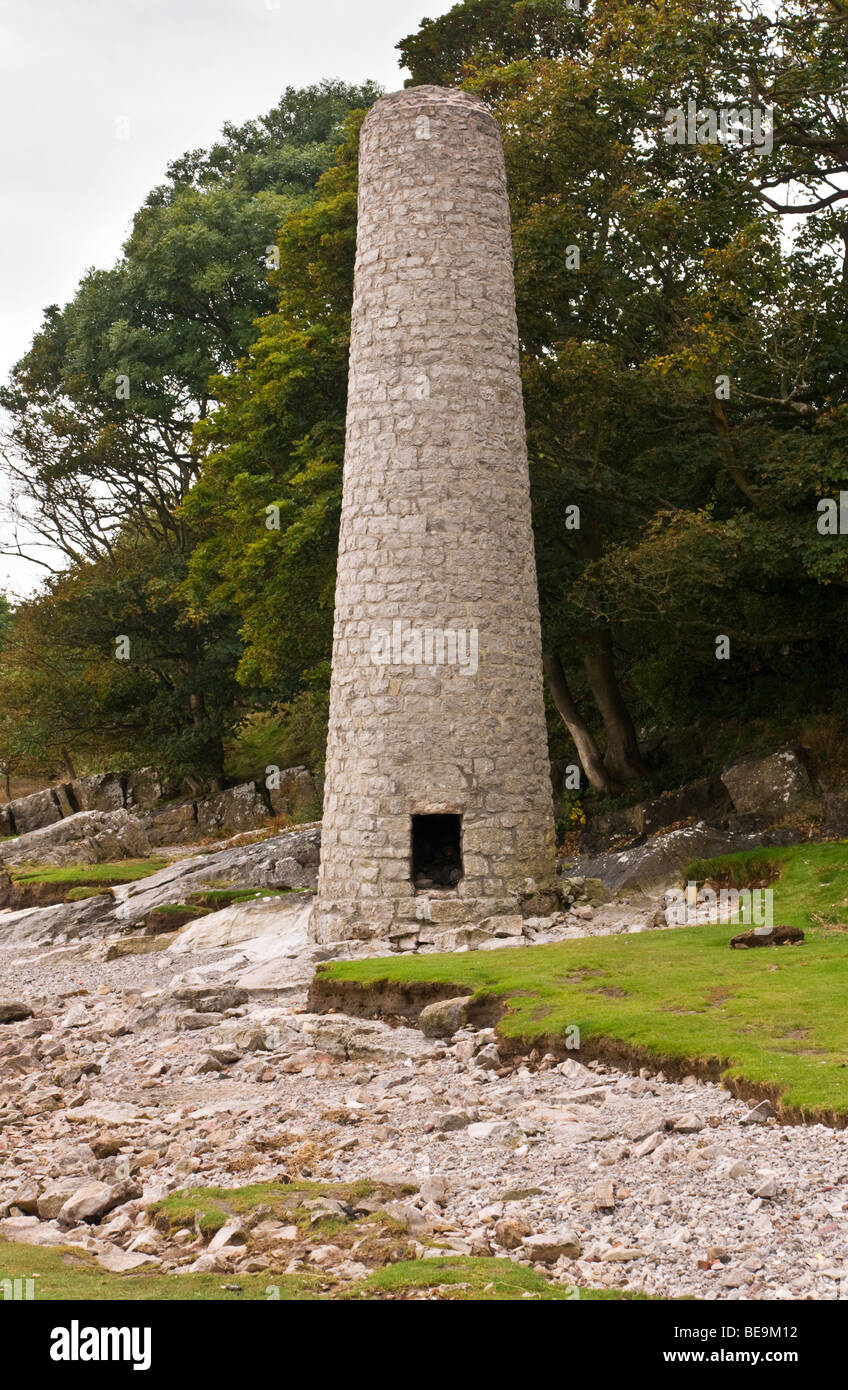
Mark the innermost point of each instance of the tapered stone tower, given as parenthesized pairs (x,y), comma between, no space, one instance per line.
(438,806)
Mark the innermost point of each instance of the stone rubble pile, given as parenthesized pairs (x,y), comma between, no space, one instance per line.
(123,1081)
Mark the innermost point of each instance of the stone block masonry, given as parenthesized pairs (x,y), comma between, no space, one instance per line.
(436,704)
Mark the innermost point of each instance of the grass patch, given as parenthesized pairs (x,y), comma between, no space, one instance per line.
(207,1209)
(61,1275)
(753,868)
(356,1219)
(178,910)
(464,1278)
(88,875)
(775,1020)
(218,898)
(67,1274)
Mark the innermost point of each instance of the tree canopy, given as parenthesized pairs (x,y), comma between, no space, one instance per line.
(100,450)
(681,304)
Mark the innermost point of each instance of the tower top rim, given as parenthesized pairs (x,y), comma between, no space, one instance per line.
(429,95)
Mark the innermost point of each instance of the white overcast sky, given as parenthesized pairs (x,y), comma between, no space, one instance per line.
(176,69)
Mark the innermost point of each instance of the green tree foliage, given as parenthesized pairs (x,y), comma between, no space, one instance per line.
(100,451)
(678,255)
(685,374)
(104,663)
(5,619)
(267,505)
(6,752)
(103,405)
(697,515)
(442,51)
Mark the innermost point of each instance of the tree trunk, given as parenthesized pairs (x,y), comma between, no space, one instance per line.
(67,763)
(622,759)
(214,745)
(587,749)
(216,750)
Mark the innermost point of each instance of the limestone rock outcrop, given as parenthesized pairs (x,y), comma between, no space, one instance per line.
(769,785)
(88,837)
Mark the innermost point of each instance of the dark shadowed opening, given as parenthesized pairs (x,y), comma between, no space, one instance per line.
(436,851)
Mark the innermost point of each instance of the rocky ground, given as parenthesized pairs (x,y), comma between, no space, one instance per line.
(200,1066)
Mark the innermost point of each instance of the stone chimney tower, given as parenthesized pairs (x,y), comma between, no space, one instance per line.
(438,807)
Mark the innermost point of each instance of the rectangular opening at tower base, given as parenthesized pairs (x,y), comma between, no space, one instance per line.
(436,851)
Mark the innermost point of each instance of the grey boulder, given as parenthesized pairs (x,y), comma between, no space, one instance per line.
(89,837)
(445,1017)
(770,786)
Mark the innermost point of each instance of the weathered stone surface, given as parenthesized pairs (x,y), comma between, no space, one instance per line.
(435,535)
(25,1198)
(603,1196)
(281,918)
(207,999)
(102,791)
(445,1017)
(660,860)
(110,791)
(55,1195)
(67,801)
(688,1124)
(278,973)
(296,795)
(119,1261)
(190,1020)
(508,925)
(8,890)
(706,799)
(142,788)
(233,1234)
(360,1038)
(488,1057)
(451,1120)
(106,1145)
(771,785)
(766,1189)
(229,812)
(834,802)
(63,921)
(89,837)
(552,1246)
(649,1145)
(30,1230)
(173,824)
(94,1199)
(455,937)
(760,1114)
(511,1232)
(12,1011)
(29,813)
(107,1112)
(288,860)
